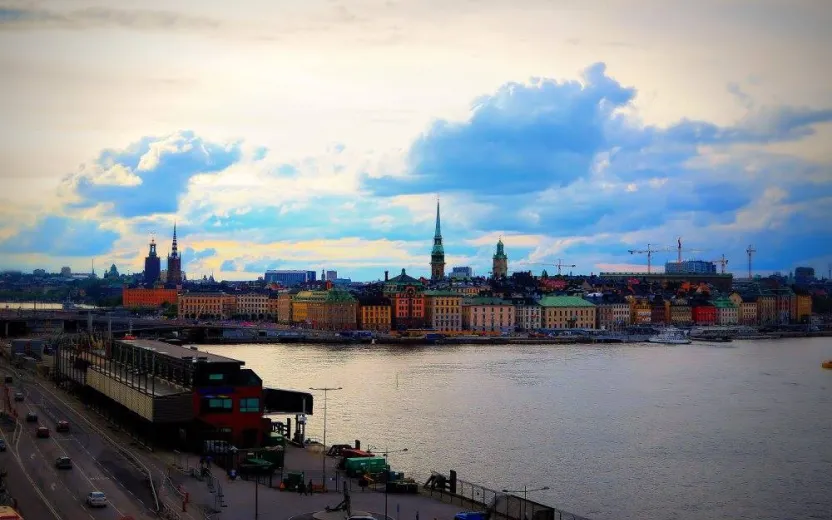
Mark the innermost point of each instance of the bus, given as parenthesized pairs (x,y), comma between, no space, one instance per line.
(9,513)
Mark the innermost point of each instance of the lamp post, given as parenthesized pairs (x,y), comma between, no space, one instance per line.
(525,492)
(325,390)
(384,454)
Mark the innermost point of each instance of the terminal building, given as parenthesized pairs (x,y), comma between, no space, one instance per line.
(290,278)
(690,267)
(176,396)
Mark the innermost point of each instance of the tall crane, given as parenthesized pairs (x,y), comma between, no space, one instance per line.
(649,252)
(679,250)
(750,251)
(559,265)
(722,263)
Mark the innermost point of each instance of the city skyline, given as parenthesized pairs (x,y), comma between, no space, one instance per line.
(573,133)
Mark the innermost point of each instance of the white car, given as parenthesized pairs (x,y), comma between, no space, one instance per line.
(97,499)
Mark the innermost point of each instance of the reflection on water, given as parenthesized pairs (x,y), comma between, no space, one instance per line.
(635,431)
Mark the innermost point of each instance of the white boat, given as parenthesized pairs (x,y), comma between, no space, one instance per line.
(670,336)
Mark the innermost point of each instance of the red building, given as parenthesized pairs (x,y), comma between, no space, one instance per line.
(149,298)
(408,298)
(704,314)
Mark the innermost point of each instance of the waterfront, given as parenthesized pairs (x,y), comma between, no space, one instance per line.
(617,432)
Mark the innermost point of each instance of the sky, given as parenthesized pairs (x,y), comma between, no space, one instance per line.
(320,134)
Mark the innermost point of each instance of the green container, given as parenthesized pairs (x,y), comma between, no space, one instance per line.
(359,466)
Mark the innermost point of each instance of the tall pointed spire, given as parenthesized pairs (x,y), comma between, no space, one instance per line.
(437,254)
(174,247)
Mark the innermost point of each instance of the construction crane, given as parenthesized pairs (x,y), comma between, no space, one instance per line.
(750,251)
(722,263)
(559,265)
(649,252)
(679,250)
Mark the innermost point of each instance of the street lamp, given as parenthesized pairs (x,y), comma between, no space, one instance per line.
(384,454)
(526,492)
(325,390)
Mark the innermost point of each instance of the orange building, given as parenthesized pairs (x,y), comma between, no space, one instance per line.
(147,298)
(408,297)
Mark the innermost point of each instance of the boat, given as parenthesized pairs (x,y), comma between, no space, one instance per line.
(827,364)
(670,336)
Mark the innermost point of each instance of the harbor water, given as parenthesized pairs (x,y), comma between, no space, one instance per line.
(740,430)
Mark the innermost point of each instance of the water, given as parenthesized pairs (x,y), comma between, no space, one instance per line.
(616,432)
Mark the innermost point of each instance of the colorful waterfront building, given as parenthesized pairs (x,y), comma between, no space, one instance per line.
(284,308)
(443,311)
(330,309)
(139,297)
(704,314)
(253,306)
(612,316)
(748,310)
(527,314)
(484,314)
(766,309)
(407,295)
(680,312)
(726,312)
(801,308)
(374,313)
(641,313)
(568,312)
(659,312)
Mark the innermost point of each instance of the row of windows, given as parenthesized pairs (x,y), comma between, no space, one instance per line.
(226,405)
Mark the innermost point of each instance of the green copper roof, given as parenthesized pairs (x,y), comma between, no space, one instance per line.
(565,301)
(484,300)
(501,253)
(339,296)
(403,279)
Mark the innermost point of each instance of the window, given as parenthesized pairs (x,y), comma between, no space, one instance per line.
(217,405)
(250,404)
(216,377)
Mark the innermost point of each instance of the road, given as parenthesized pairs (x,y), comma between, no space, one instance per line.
(97,465)
(31,504)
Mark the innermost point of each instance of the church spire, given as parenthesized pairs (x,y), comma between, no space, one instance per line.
(174,247)
(437,254)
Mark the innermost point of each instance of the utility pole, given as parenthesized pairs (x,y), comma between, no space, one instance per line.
(750,252)
(525,492)
(323,463)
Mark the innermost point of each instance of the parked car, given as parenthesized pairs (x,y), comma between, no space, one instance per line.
(31,417)
(18,396)
(42,432)
(63,426)
(97,499)
(2,445)
(63,463)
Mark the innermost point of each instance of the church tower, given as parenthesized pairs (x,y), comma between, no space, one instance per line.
(437,254)
(174,263)
(499,268)
(152,265)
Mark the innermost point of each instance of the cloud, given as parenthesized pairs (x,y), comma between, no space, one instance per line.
(24,18)
(150,175)
(61,236)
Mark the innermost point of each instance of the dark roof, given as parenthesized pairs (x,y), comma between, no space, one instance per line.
(177,351)
(373,299)
(404,279)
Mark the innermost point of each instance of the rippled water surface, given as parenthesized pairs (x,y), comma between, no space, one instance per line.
(623,432)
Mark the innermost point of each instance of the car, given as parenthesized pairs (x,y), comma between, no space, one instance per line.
(31,417)
(63,426)
(96,499)
(42,432)
(18,396)
(2,445)
(63,463)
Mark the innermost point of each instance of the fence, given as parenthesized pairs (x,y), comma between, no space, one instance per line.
(501,505)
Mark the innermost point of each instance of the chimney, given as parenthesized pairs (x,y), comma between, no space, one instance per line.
(386,276)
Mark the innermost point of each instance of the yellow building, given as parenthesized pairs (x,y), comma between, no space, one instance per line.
(443,311)
(802,308)
(374,313)
(253,306)
(766,309)
(641,313)
(748,312)
(284,308)
(736,299)
(332,309)
(300,306)
(569,312)
(492,315)
(680,313)
(217,306)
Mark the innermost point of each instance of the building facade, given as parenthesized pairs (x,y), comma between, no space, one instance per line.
(217,306)
(641,313)
(407,295)
(726,312)
(499,263)
(253,306)
(140,297)
(437,254)
(568,312)
(284,308)
(462,273)
(492,315)
(374,313)
(704,314)
(801,308)
(766,309)
(748,311)
(443,311)
(613,316)
(289,278)
(527,314)
(680,313)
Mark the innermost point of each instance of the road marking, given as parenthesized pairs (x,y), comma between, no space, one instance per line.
(52,486)
(32,456)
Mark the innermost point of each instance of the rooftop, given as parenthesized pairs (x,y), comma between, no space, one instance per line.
(565,301)
(485,301)
(177,351)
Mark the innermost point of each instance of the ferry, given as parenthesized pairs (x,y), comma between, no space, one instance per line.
(827,364)
(670,336)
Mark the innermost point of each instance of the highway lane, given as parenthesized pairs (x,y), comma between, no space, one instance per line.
(30,503)
(99,466)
